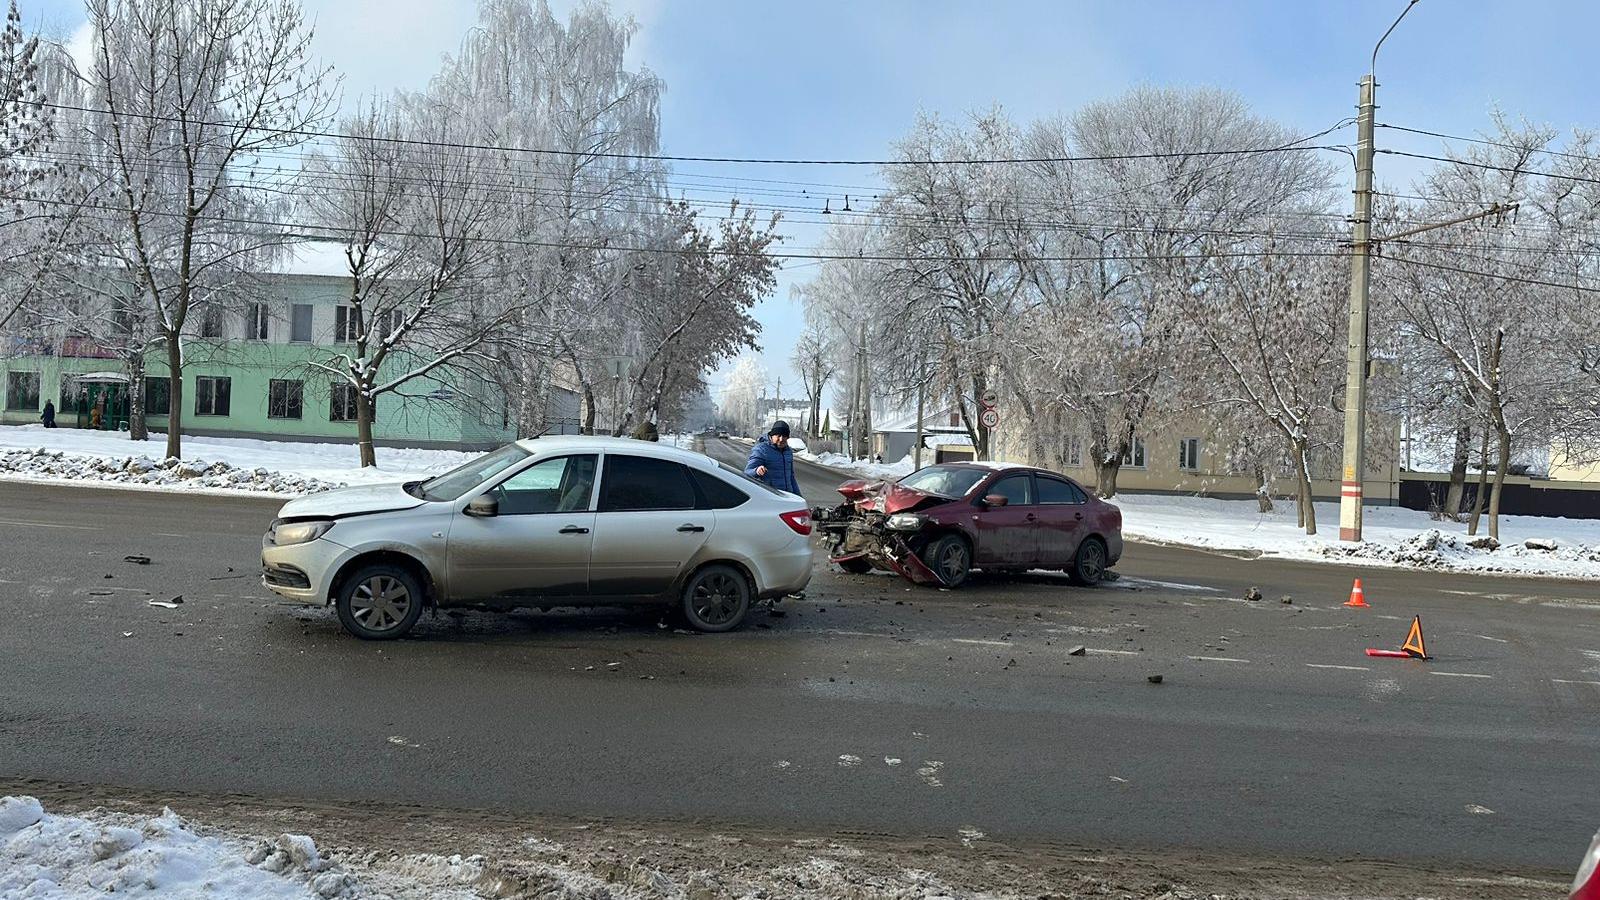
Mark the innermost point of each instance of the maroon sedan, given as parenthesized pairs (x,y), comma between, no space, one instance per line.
(937,524)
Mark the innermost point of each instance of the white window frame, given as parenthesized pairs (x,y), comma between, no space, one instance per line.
(1189,454)
(1135,458)
(255,323)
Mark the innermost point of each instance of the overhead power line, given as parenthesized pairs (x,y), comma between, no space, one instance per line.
(1515,170)
(661,157)
(1488,143)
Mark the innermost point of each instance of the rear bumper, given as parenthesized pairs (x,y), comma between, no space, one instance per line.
(786,571)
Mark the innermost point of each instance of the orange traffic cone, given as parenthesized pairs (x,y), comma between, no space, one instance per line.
(1357,596)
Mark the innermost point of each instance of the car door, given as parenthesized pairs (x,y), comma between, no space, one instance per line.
(538,543)
(1061,524)
(1007,537)
(647,529)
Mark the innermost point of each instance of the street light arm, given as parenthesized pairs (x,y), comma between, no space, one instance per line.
(1373,69)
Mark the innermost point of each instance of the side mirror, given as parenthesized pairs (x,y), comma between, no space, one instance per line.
(483,506)
(996,500)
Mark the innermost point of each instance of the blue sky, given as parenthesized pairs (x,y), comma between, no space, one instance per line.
(845,79)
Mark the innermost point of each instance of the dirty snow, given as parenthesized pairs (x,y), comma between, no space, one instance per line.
(59,857)
(1393,536)
(36,453)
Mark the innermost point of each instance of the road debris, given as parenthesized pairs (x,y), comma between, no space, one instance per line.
(137,559)
(1079,650)
(1155,679)
(1253,594)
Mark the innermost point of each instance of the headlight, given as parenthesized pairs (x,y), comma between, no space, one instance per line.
(286,534)
(905,521)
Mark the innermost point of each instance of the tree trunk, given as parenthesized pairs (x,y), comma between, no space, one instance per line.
(1263,491)
(369,455)
(1483,481)
(138,430)
(1458,473)
(175,392)
(588,408)
(1303,473)
(1502,462)
(1106,477)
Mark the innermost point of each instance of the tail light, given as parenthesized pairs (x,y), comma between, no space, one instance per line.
(799,520)
(1587,885)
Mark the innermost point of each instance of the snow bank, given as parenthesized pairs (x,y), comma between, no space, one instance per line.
(864,468)
(1393,536)
(36,453)
(55,857)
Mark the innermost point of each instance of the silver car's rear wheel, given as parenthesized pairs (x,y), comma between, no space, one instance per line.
(379,602)
(717,598)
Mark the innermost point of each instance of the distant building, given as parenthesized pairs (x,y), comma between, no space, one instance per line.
(250,372)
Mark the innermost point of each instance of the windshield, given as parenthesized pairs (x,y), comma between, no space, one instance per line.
(452,484)
(944,481)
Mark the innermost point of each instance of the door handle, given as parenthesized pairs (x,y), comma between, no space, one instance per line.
(573,529)
(1030,517)
(691,528)
(1078,516)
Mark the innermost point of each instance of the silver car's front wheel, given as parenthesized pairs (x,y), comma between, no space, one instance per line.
(379,602)
(717,598)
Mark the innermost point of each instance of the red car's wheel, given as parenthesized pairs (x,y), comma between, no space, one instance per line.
(950,558)
(1089,566)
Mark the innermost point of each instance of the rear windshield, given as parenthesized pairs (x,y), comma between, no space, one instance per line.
(944,481)
(746,479)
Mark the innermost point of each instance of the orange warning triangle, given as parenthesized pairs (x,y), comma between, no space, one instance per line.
(1413,644)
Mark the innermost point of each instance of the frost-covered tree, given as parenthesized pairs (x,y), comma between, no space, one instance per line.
(420,224)
(189,94)
(28,226)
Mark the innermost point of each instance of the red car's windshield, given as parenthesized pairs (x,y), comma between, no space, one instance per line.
(944,481)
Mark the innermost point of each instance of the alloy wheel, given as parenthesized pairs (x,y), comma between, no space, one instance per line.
(717,598)
(380,603)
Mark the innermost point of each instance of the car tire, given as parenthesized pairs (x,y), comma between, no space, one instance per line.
(1089,565)
(379,602)
(856,565)
(716,599)
(950,558)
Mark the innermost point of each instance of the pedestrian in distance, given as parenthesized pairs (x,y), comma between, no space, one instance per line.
(48,417)
(772,461)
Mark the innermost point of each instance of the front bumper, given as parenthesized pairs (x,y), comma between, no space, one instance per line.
(851,535)
(302,572)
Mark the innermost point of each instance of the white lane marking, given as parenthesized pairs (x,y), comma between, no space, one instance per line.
(981,643)
(1495,639)
(857,633)
(929,772)
(48,525)
(1346,668)
(1113,652)
(1570,681)
(1218,659)
(1477,810)
(849,760)
(1461,675)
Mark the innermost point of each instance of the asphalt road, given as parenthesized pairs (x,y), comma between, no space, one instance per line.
(874,706)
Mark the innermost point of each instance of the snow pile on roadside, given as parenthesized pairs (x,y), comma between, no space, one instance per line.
(1393,536)
(36,453)
(142,471)
(864,468)
(55,857)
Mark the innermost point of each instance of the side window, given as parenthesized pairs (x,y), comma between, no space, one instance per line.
(555,485)
(716,493)
(1054,490)
(1017,489)
(640,482)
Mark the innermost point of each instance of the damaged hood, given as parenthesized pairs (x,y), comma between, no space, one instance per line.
(886,497)
(350,501)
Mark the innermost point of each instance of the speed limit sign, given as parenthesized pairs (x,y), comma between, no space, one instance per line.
(989,398)
(989,418)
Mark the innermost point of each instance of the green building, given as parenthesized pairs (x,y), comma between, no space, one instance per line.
(248,373)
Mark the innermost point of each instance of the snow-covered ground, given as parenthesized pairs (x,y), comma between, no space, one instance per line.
(59,857)
(1392,536)
(36,453)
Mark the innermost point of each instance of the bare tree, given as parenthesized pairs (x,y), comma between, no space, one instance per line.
(188,91)
(813,359)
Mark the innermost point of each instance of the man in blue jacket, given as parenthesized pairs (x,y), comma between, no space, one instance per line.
(772,461)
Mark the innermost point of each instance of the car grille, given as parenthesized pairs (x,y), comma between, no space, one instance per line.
(286,576)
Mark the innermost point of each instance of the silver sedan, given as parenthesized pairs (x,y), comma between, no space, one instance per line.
(553,521)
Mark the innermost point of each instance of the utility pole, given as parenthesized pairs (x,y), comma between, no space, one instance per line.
(922,391)
(1355,390)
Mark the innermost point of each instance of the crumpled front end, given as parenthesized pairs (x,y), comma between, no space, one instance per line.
(877,526)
